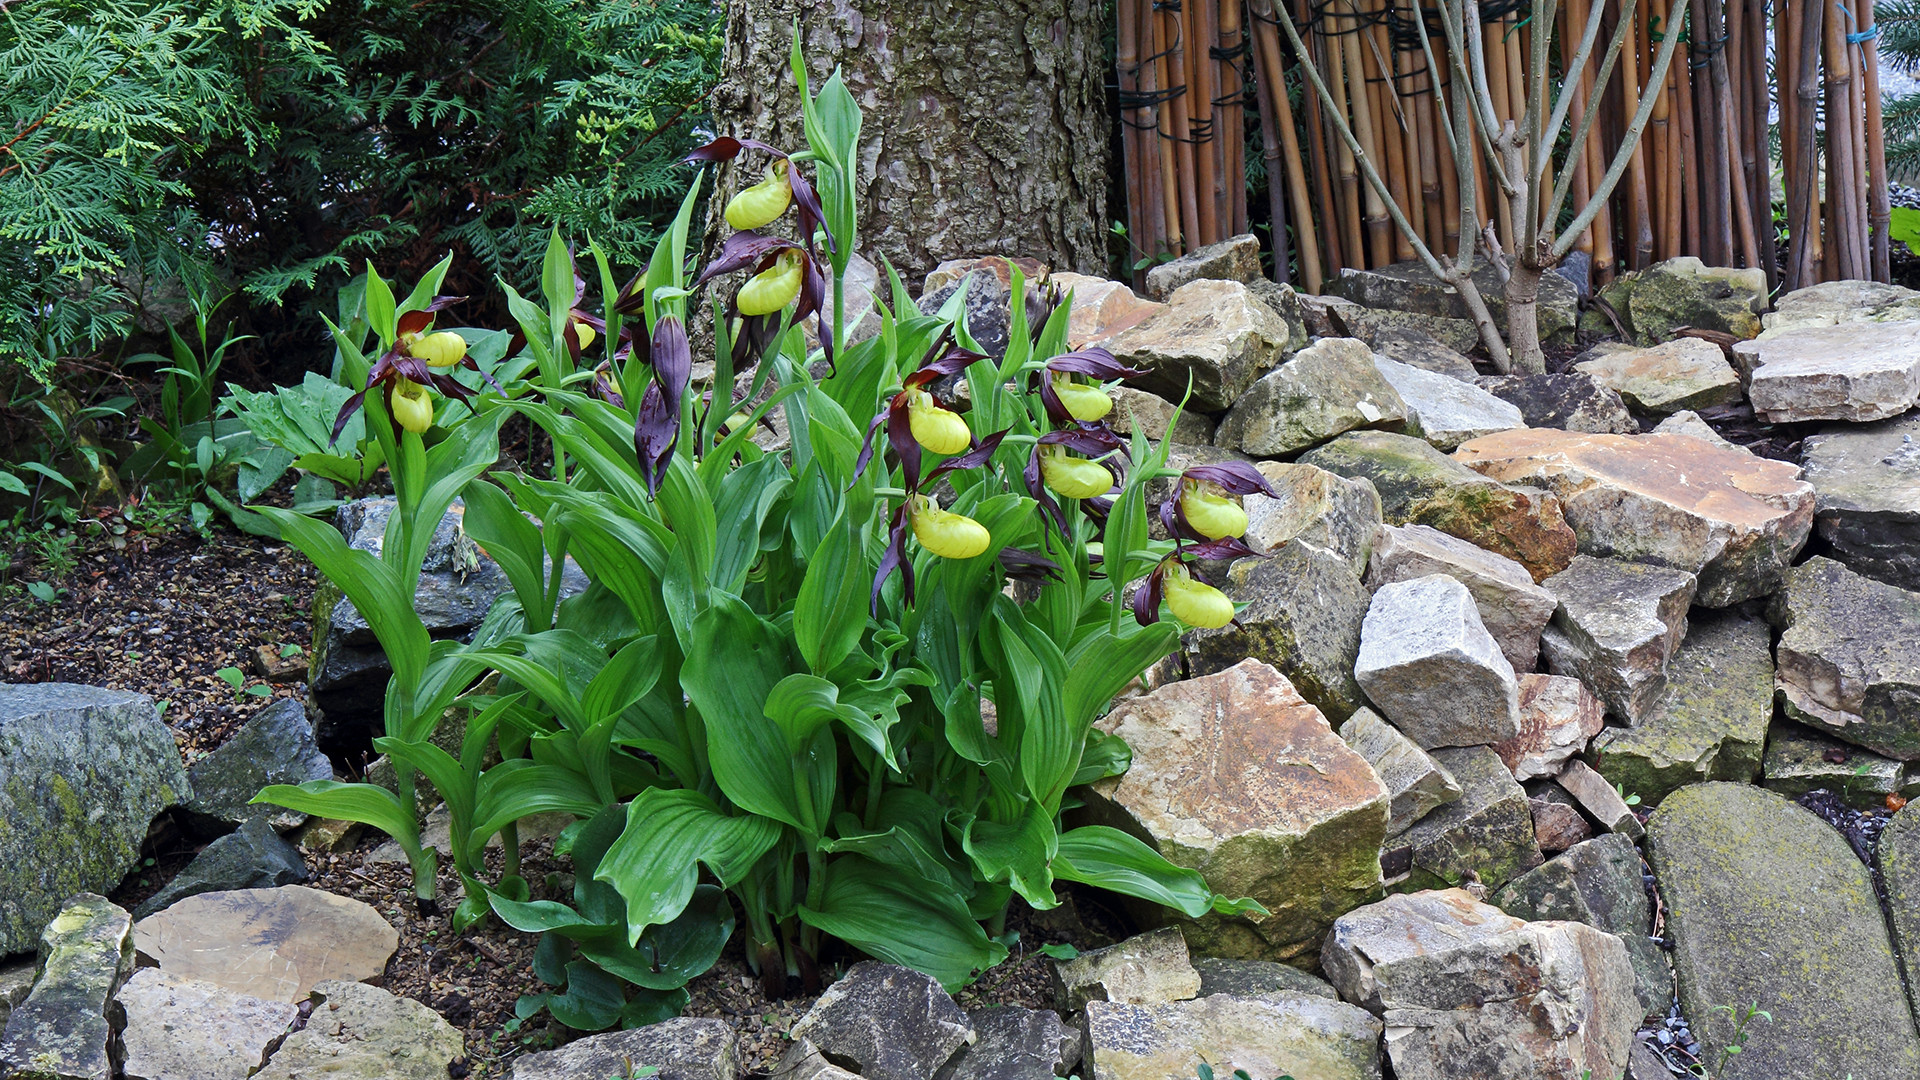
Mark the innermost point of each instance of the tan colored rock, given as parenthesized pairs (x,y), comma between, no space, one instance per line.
(1557,720)
(1216,332)
(1236,776)
(1153,417)
(1327,388)
(275,944)
(1557,826)
(1732,519)
(184,1029)
(1317,507)
(1688,422)
(1598,798)
(1416,783)
(1855,371)
(1685,373)
(359,1032)
(1148,969)
(1512,607)
(1102,308)
(1831,302)
(1302,1035)
(1236,258)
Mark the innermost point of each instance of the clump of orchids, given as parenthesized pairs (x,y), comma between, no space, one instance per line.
(418,362)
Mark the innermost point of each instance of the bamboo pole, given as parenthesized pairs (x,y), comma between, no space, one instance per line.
(1754,157)
(1272,156)
(1126,70)
(1423,137)
(1379,228)
(1203,122)
(1232,82)
(1273,90)
(1879,210)
(1442,82)
(1803,202)
(1342,115)
(1391,116)
(1323,168)
(1167,160)
(1179,108)
(1640,215)
(1846,194)
(1685,161)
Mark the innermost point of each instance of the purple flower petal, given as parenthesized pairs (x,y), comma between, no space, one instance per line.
(1235,477)
(1096,362)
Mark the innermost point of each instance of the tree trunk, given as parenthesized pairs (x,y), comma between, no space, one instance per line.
(1523,316)
(986,129)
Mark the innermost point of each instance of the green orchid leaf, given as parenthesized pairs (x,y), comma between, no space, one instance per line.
(669,834)
(903,920)
(1110,859)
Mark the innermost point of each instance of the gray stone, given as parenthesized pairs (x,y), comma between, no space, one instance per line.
(1418,349)
(1605,806)
(83,772)
(887,1022)
(61,1030)
(1153,417)
(1558,717)
(684,1048)
(1416,784)
(1687,422)
(1857,372)
(1467,991)
(1299,1034)
(1289,305)
(1429,665)
(804,1061)
(1236,258)
(987,308)
(1685,373)
(274,746)
(1444,410)
(1712,721)
(1767,904)
(1012,1043)
(1512,607)
(1329,387)
(276,944)
(1684,291)
(1847,661)
(1830,302)
(1897,856)
(1303,615)
(1410,286)
(16,982)
(1485,836)
(863,282)
(1866,483)
(1144,970)
(1617,625)
(180,1029)
(1598,883)
(251,857)
(1557,826)
(1215,332)
(1419,485)
(1333,316)
(359,1032)
(1569,400)
(1236,777)
(1317,507)
(1257,979)
(1800,760)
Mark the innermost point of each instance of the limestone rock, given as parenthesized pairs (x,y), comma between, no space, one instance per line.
(684,1048)
(1511,606)
(1557,720)
(1329,387)
(1013,1043)
(1866,483)
(1298,1034)
(1569,400)
(1847,660)
(1557,826)
(181,1029)
(1416,784)
(1830,302)
(360,1032)
(863,282)
(1617,625)
(1410,286)
(1317,507)
(1217,332)
(1857,372)
(274,746)
(1101,308)
(1236,776)
(1144,970)
(1687,422)
(1303,616)
(1289,306)
(804,1061)
(1897,856)
(1467,991)
(61,1030)
(1684,291)
(1153,417)
(276,944)
(1598,883)
(1685,373)
(987,307)
(1419,485)
(1236,258)
(1712,721)
(1766,903)
(1418,349)
(16,982)
(891,1023)
(83,771)
(1598,798)
(1257,979)
(252,857)
(1485,835)
(1442,409)
(1733,519)
(1430,666)
(1800,760)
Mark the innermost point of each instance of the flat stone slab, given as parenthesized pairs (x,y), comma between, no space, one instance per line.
(1236,258)
(83,772)
(1568,400)
(62,1030)
(1512,607)
(1419,485)
(1767,903)
(1326,510)
(684,1048)
(1302,1035)
(1732,519)
(274,944)
(1416,784)
(1238,777)
(1558,717)
(274,746)
(1617,625)
(1442,409)
(1329,387)
(251,857)
(1854,371)
(1847,663)
(1866,483)
(1685,373)
(1143,970)
(1598,799)
(888,1022)
(1557,826)
(1304,609)
(360,1032)
(1486,835)
(1898,858)
(1598,883)
(1217,332)
(1101,308)
(1410,286)
(1258,979)
(1831,302)
(1688,422)
(1012,1043)
(183,1029)
(1711,724)
(1430,666)
(1800,760)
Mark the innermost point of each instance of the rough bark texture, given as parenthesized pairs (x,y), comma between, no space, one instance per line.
(986,127)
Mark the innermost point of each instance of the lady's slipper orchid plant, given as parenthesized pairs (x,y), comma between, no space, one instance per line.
(419,361)
(1207,523)
(1068,400)
(916,419)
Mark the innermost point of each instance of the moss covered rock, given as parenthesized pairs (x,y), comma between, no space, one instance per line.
(1304,609)
(1656,301)
(1486,835)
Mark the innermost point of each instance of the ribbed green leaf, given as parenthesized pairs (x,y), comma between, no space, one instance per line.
(655,862)
(1016,855)
(902,919)
(1110,859)
(373,586)
(735,660)
(829,616)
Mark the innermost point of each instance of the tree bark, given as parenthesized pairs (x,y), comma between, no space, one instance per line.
(986,128)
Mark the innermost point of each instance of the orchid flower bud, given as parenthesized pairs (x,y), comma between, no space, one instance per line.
(946,534)
(442,348)
(1195,603)
(412,405)
(764,202)
(1210,510)
(1085,403)
(775,287)
(939,430)
(1073,477)
(585,332)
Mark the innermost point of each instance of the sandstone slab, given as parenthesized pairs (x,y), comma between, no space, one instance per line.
(1866,483)
(1485,836)
(1419,349)
(1685,373)
(1444,410)
(1617,625)
(1858,372)
(1257,979)
(274,746)
(889,1022)
(1687,422)
(1598,799)
(684,1048)
(1304,610)
(1732,519)
(1558,717)
(1847,660)
(1300,1034)
(1416,784)
(1767,903)
(1598,883)
(1236,776)
(1569,400)
(275,944)
(1326,510)
(1831,302)
(1329,387)
(1429,665)
(1800,759)
(182,1029)
(360,1032)
(1144,970)
(1512,607)
(1216,333)
(1236,258)
(1101,308)
(1283,301)
(62,1030)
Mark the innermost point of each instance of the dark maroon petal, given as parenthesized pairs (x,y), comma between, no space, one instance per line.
(742,249)
(602,387)
(384,367)
(1227,547)
(1096,362)
(953,362)
(672,360)
(346,413)
(726,148)
(752,338)
(905,446)
(866,445)
(813,295)
(412,367)
(579,283)
(442,303)
(413,322)
(1037,488)
(655,429)
(633,296)
(1097,509)
(1028,566)
(810,214)
(1146,598)
(599,324)
(1056,409)
(449,387)
(1235,477)
(980,454)
(893,558)
(1091,440)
